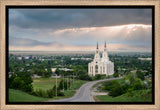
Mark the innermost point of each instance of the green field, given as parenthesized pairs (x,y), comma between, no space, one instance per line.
(125,98)
(43,83)
(48,83)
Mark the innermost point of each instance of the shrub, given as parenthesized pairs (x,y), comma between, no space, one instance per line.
(11,80)
(18,83)
(60,93)
(137,86)
(97,77)
(108,76)
(41,93)
(116,91)
(107,85)
(21,81)
(84,77)
(140,75)
(130,92)
(125,88)
(28,88)
(50,93)
(114,88)
(61,84)
(116,74)
(147,84)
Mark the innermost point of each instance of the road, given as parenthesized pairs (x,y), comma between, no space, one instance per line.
(83,94)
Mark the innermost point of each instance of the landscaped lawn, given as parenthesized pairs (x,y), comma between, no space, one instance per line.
(125,98)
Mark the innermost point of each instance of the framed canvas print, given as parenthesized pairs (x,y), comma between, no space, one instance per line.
(80,54)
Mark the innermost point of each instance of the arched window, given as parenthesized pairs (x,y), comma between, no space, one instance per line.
(96,69)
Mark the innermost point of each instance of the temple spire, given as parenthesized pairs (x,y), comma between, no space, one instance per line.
(97,45)
(105,44)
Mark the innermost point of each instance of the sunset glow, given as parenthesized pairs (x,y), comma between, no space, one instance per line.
(80,29)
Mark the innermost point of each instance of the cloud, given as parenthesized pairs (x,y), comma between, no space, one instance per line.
(79,27)
(17,42)
(133,34)
(32,45)
(77,18)
(62,47)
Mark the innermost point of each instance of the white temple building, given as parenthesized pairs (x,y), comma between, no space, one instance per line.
(101,65)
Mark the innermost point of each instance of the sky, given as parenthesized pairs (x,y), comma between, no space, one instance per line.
(80,29)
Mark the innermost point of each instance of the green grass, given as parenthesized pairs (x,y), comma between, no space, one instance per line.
(45,84)
(68,93)
(118,80)
(137,97)
(48,83)
(19,96)
(71,91)
(77,84)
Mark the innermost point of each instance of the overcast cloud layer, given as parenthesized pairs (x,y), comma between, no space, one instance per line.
(75,28)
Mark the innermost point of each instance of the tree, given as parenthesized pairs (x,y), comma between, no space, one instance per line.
(61,84)
(21,81)
(40,72)
(50,93)
(131,77)
(137,84)
(48,73)
(116,74)
(58,72)
(59,93)
(28,88)
(27,79)
(80,72)
(17,83)
(140,75)
(84,77)
(79,69)
(11,80)
(115,89)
